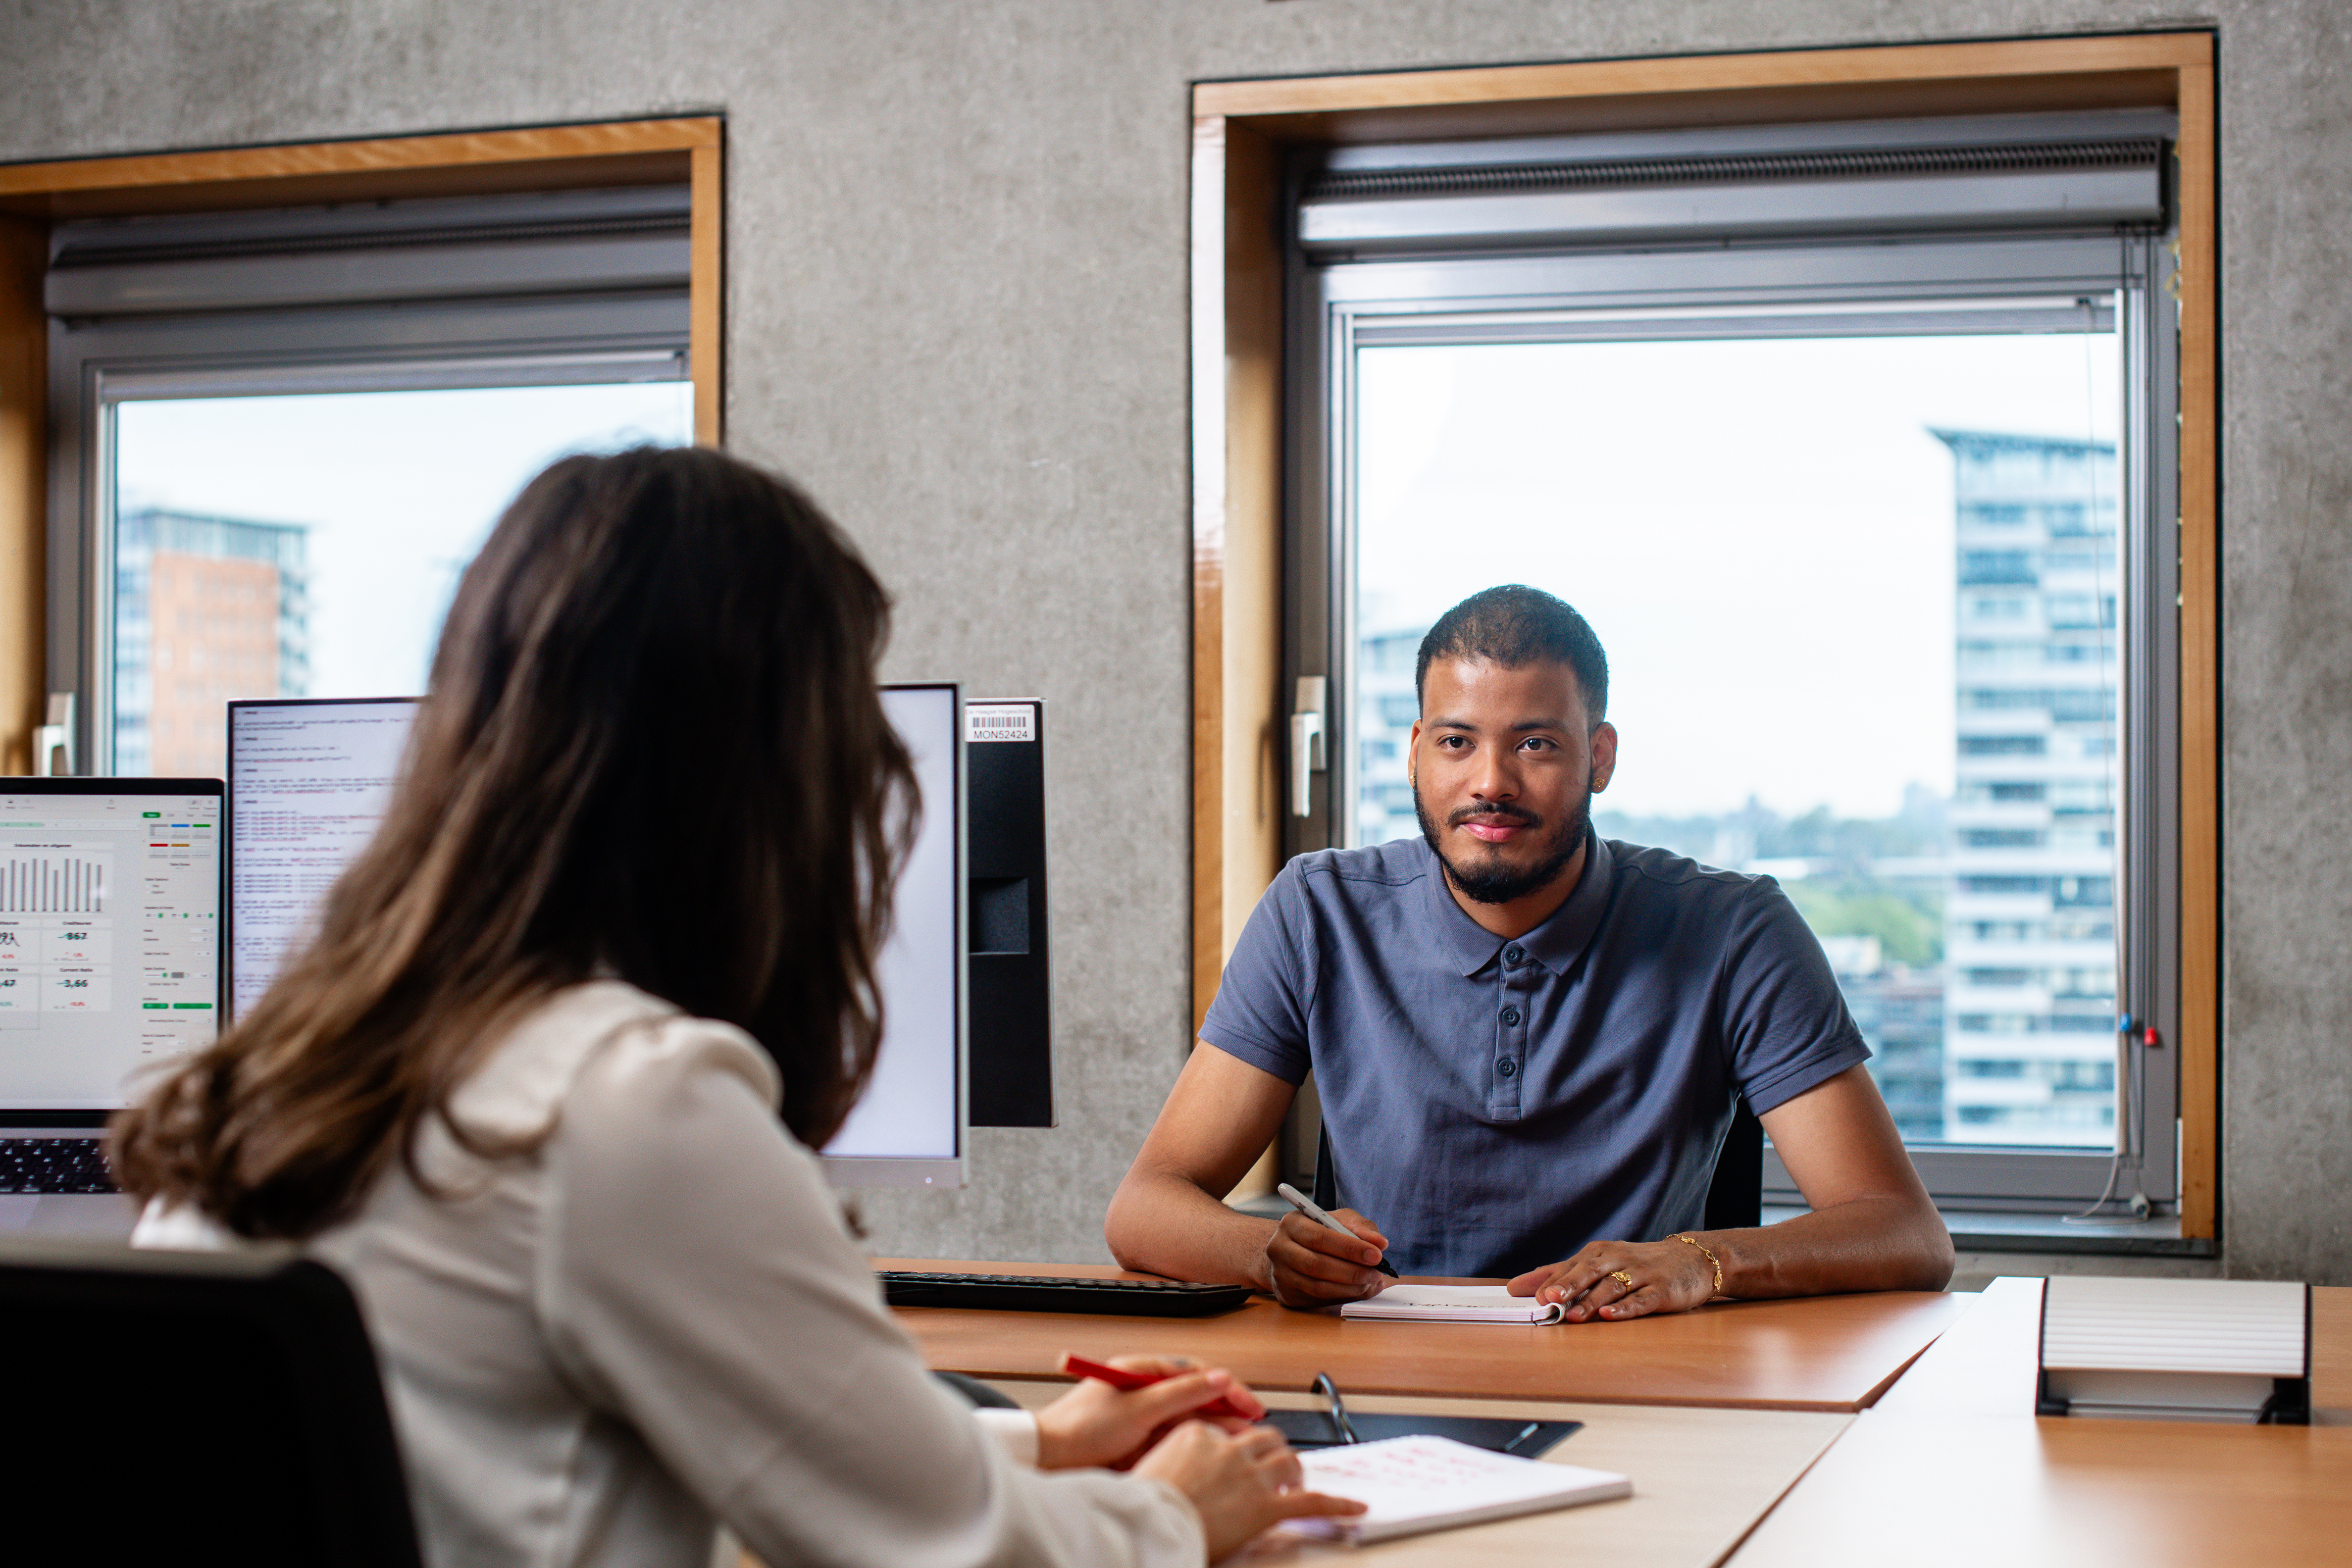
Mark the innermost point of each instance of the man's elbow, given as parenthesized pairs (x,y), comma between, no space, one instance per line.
(1117,1226)
(1127,1227)
(1932,1256)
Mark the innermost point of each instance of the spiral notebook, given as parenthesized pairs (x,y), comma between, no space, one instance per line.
(1410,1485)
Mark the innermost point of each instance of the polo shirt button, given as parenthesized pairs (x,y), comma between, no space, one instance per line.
(1507,1067)
(1511,1017)
(1514,954)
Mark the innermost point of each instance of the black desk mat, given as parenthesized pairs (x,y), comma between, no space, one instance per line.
(1527,1439)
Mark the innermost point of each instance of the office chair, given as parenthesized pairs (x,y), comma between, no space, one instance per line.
(1735,1196)
(179,1406)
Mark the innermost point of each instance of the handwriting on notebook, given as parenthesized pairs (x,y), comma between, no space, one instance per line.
(1418,1483)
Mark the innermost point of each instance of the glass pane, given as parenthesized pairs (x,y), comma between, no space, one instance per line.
(310,546)
(1859,599)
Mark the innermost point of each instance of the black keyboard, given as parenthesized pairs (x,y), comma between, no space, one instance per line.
(1058,1294)
(54,1164)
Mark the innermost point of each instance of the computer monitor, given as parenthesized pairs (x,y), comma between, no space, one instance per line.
(109,939)
(907,1130)
(1011,976)
(308,782)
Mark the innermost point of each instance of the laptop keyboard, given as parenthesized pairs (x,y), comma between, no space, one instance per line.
(54,1164)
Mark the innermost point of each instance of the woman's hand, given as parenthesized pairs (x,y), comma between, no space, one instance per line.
(1666,1276)
(1238,1483)
(1095,1425)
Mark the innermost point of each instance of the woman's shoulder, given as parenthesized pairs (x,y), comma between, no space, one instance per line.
(524,1078)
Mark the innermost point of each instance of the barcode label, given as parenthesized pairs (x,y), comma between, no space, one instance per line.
(999,721)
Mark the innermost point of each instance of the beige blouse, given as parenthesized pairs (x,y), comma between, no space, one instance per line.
(658,1323)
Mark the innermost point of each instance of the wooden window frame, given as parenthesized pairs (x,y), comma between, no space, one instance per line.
(34,197)
(1241,131)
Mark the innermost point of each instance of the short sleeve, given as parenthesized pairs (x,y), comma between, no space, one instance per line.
(1786,1022)
(1260,1012)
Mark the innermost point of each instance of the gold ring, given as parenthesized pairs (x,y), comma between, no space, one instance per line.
(1622,1277)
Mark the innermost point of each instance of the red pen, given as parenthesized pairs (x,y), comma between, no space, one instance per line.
(1128,1382)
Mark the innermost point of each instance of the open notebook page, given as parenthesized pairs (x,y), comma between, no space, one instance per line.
(1413,1484)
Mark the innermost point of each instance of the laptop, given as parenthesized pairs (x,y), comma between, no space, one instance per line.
(109,968)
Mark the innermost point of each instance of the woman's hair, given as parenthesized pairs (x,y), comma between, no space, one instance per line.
(653,750)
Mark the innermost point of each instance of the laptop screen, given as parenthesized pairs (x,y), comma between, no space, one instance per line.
(308,782)
(110,934)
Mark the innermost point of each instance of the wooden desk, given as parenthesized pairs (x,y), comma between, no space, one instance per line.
(1825,1353)
(1952,1467)
(1701,1479)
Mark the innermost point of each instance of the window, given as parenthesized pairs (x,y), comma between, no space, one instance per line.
(1848,439)
(286,432)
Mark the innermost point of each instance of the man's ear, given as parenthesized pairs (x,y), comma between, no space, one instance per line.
(1604,755)
(1412,754)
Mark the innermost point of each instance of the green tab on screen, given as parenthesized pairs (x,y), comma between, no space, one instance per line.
(200,1005)
(154,1004)
(150,814)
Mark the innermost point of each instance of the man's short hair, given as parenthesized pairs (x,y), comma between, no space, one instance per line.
(1515,626)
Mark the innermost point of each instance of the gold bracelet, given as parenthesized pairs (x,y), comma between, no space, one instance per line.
(1709,1257)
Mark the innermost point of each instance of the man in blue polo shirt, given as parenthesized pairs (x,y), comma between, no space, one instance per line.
(1528,1040)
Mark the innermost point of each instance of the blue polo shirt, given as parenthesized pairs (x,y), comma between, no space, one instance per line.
(1494,1105)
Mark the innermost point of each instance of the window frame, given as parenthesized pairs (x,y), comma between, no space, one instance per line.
(1342,307)
(1244,132)
(94,368)
(37,196)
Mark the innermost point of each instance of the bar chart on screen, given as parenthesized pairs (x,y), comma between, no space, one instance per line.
(57,939)
(52,881)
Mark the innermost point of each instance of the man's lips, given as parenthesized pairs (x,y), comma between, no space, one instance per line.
(1495,830)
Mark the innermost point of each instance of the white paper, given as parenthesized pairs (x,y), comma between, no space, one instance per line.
(1454,1304)
(1413,1484)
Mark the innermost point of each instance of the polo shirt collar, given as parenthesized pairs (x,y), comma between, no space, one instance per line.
(1557,944)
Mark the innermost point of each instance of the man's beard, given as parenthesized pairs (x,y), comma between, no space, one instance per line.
(1496,881)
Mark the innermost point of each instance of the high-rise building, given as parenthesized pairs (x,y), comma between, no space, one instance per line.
(1386,708)
(1900,1010)
(2029,934)
(205,610)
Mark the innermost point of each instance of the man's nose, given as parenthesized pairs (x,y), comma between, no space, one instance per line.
(1497,780)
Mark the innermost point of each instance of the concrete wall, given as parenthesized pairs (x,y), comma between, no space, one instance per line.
(956,309)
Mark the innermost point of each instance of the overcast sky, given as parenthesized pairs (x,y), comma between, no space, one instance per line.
(1760,531)
(399,490)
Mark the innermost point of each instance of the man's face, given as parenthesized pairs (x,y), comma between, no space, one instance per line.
(1504,770)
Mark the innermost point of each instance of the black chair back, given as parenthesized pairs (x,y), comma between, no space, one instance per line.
(1735,1198)
(180,1407)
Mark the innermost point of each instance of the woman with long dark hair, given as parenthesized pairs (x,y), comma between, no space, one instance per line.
(523,1088)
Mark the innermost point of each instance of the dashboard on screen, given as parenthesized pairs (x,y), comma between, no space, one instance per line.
(110,937)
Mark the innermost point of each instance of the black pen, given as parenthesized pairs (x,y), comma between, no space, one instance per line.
(1308,1207)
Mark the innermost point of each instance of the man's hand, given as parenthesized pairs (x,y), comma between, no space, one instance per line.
(1666,1276)
(1871,1226)
(1315,1266)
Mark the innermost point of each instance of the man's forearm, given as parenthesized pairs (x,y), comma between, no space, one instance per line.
(1160,1223)
(1875,1243)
